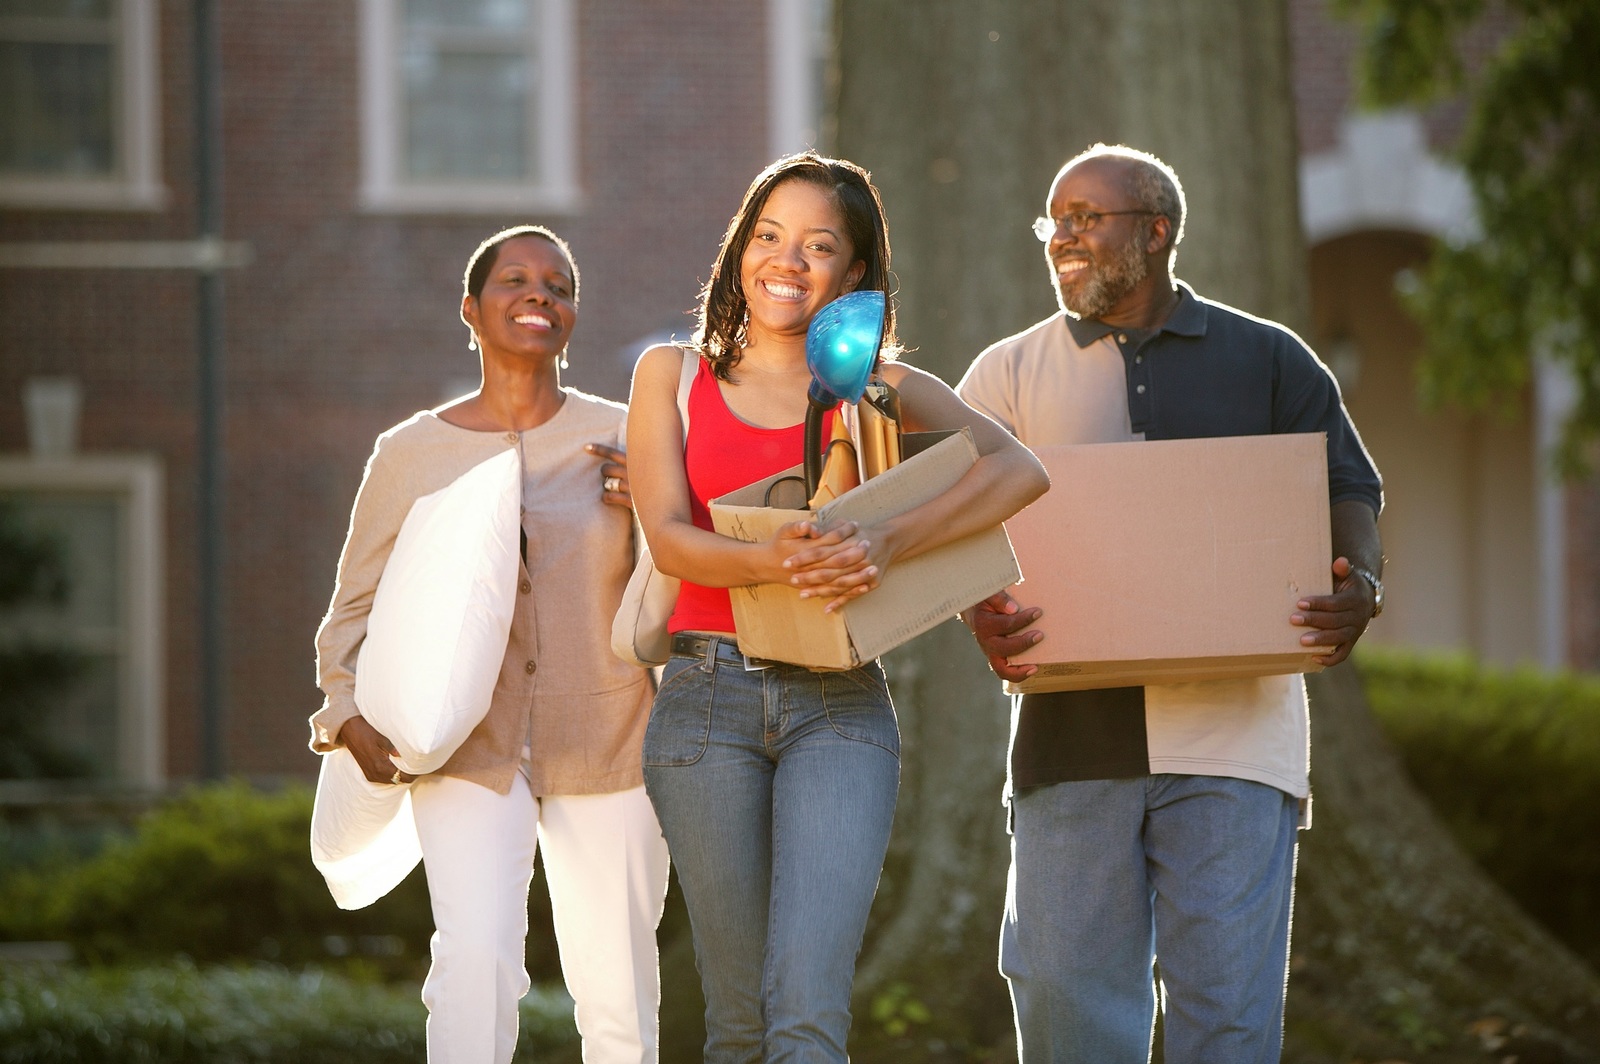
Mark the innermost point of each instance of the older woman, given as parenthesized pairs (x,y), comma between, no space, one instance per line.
(556,761)
(775,784)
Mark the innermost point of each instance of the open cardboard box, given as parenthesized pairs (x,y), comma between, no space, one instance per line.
(1175,560)
(916,593)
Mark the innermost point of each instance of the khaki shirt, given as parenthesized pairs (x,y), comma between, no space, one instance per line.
(561,691)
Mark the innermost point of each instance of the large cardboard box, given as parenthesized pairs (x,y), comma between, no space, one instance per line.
(916,593)
(1172,561)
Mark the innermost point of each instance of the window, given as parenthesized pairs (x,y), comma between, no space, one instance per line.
(79,126)
(467,105)
(91,709)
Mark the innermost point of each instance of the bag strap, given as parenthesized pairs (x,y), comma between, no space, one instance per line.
(685,382)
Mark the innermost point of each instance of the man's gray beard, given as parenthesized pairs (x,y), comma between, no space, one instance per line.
(1109,281)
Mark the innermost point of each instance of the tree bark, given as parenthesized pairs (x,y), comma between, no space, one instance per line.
(964,110)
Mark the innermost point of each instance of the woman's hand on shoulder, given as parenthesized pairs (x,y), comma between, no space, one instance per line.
(614,488)
(372,751)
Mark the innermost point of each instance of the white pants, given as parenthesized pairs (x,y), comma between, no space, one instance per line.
(607,866)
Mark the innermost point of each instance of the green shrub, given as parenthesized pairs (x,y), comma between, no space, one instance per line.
(1511,763)
(239,1015)
(223,873)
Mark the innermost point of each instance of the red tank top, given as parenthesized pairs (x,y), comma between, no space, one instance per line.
(724,454)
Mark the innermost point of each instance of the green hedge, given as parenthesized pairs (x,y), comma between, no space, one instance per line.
(1511,762)
(235,1015)
(223,874)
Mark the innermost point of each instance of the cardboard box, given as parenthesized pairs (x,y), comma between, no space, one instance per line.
(1172,561)
(916,593)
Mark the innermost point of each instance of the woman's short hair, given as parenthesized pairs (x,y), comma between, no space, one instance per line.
(482,260)
(723,309)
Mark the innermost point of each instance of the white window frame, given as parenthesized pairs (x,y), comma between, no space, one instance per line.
(135,481)
(135,185)
(384,188)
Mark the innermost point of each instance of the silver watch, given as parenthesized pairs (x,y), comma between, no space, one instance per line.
(1377,587)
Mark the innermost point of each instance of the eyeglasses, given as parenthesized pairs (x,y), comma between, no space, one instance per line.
(1075,221)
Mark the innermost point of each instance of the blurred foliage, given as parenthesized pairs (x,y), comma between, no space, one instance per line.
(897,1010)
(222,873)
(239,1015)
(33,571)
(1531,151)
(1511,763)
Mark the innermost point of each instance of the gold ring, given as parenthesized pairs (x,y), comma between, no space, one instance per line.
(395,779)
(613,483)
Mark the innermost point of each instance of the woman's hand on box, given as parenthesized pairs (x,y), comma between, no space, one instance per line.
(857,567)
(803,552)
(843,563)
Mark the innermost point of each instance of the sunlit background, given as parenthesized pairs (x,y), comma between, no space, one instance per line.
(227,263)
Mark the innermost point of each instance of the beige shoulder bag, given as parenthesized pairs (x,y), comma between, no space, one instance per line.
(639,630)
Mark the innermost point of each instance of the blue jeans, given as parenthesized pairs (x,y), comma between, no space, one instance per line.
(1107,876)
(775,790)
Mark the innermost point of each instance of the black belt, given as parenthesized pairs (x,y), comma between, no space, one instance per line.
(717,650)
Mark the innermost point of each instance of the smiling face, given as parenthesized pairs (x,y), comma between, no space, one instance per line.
(1095,271)
(527,307)
(798,259)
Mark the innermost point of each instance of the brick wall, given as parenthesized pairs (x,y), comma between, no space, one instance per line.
(345,322)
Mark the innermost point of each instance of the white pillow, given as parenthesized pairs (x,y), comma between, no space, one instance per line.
(363,835)
(441,615)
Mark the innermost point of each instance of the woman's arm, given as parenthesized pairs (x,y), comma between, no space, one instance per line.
(382,503)
(375,521)
(1005,478)
(660,486)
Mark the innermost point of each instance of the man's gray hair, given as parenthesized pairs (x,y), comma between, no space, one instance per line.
(1155,185)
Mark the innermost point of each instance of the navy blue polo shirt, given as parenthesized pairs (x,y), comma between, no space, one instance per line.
(1209,370)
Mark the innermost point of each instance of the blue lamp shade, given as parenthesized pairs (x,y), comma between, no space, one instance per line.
(842,346)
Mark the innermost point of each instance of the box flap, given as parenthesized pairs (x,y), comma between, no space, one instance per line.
(916,593)
(920,592)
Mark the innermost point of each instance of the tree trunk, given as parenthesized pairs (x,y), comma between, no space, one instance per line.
(964,110)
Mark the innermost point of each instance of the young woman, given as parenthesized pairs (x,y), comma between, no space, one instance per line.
(555,762)
(775,784)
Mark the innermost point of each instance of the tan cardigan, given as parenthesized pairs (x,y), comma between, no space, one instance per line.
(561,690)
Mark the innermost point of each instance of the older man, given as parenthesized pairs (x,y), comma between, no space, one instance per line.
(1154,827)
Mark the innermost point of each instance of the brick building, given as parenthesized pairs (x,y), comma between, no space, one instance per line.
(1487,553)
(366,148)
